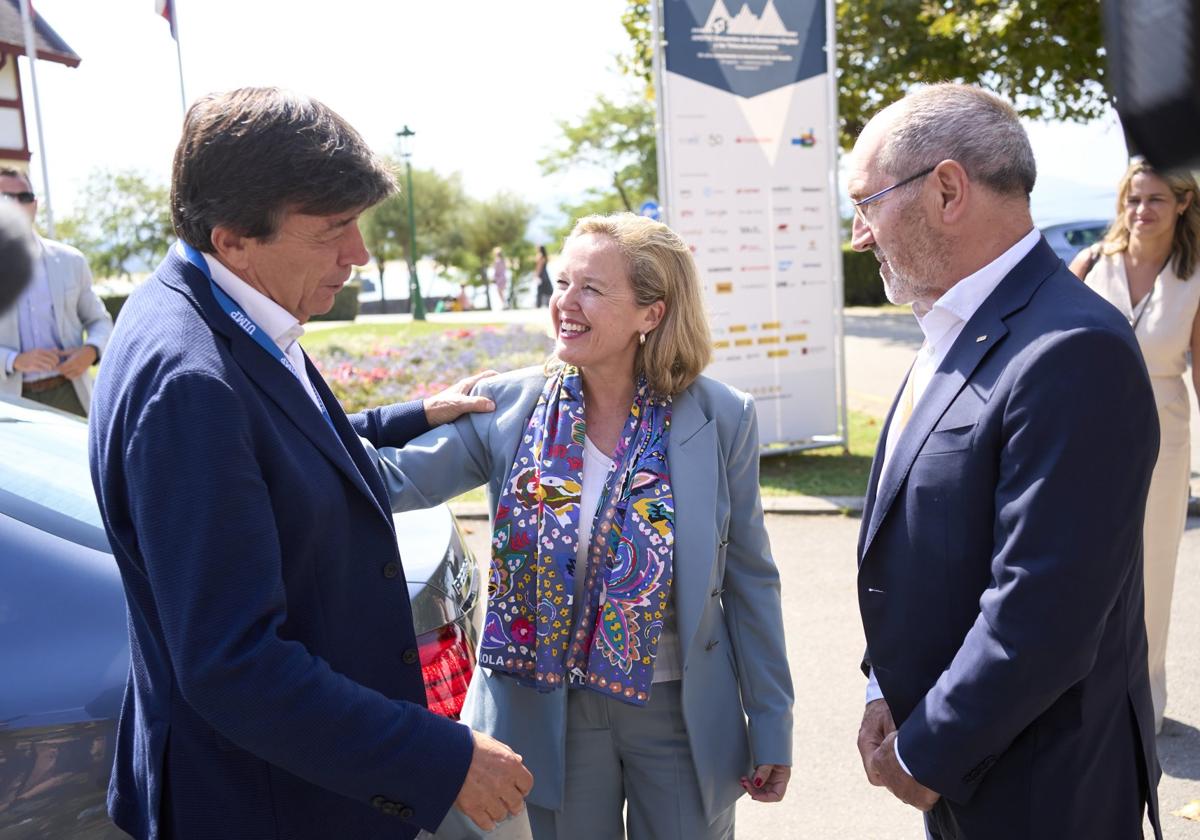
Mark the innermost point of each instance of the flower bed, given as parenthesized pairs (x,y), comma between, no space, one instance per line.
(369,371)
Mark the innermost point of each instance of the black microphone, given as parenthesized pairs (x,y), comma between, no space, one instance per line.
(1154,77)
(16,254)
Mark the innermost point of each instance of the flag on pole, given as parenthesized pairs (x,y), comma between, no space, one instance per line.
(166,9)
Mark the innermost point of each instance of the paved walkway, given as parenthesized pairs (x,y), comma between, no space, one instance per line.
(829,798)
(880,346)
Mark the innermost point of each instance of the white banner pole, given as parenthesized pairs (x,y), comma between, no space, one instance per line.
(31,56)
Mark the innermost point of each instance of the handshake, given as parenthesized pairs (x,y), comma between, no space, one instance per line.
(496,784)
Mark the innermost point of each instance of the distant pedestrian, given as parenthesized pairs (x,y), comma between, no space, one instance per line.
(462,302)
(59,327)
(542,271)
(1146,267)
(500,275)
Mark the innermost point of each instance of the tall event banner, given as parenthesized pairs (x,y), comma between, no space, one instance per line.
(747,161)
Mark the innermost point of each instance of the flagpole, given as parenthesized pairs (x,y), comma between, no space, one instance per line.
(31,56)
(174,6)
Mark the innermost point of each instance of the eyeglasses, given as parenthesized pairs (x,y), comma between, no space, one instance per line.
(863,202)
(21,197)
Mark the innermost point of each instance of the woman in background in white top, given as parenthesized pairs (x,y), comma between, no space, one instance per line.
(1146,267)
(633,649)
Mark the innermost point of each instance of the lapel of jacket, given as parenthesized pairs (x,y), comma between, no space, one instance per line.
(692,453)
(956,369)
(876,466)
(278,383)
(371,482)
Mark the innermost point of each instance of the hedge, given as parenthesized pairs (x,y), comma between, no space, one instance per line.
(861,283)
(345,305)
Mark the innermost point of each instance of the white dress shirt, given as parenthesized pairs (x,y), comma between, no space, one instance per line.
(35,319)
(942,324)
(283,327)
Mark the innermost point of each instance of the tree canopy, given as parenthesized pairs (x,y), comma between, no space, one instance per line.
(1046,56)
(122,223)
(437,201)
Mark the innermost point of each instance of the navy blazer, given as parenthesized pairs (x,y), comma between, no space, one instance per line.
(274,690)
(1000,569)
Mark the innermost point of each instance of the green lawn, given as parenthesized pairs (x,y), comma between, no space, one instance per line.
(825,472)
(396,333)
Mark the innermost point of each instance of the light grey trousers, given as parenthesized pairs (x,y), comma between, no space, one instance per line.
(629,773)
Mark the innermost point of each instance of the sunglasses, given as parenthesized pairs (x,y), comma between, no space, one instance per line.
(20,197)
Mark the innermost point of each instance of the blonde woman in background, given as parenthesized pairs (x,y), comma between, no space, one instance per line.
(1146,267)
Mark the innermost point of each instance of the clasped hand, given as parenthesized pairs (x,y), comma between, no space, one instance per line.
(877,747)
(70,363)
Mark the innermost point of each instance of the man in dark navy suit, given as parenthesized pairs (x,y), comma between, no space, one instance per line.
(275,688)
(1000,558)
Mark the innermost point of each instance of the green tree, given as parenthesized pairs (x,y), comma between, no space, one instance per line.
(122,222)
(481,226)
(437,202)
(618,137)
(1046,56)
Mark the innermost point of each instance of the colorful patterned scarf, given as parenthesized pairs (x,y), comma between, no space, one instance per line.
(531,630)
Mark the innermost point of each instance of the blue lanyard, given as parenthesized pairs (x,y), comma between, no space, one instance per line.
(247,324)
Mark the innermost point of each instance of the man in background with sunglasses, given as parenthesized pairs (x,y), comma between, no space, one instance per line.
(58,328)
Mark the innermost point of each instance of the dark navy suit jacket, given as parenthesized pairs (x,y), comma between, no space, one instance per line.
(274,689)
(1000,570)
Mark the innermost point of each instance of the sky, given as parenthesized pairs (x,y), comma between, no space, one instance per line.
(482,83)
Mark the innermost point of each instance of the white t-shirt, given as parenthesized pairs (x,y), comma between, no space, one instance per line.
(596,466)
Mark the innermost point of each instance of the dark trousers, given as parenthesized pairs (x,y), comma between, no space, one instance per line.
(62,397)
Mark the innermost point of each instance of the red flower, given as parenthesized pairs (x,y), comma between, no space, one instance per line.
(575,463)
(522,630)
(501,512)
(520,541)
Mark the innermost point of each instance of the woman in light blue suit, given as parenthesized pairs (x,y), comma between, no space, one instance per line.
(633,649)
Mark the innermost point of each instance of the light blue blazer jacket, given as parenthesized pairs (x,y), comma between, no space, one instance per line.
(79,316)
(737,689)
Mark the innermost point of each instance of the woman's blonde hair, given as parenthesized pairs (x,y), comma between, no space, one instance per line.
(660,268)
(1185,250)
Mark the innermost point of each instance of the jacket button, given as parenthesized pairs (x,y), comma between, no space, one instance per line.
(390,809)
(390,570)
(406,813)
(410,656)
(378,802)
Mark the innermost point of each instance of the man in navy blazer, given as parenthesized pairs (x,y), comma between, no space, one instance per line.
(1000,557)
(275,688)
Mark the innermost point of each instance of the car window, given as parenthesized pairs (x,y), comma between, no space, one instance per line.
(1083,237)
(45,462)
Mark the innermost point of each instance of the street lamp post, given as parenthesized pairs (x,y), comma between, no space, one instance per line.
(416,302)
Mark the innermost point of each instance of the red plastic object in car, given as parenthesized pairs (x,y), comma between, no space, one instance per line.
(447,662)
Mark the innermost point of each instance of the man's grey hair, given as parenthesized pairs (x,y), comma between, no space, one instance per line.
(966,124)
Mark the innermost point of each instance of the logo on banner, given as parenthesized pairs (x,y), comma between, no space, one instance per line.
(806,140)
(759,46)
